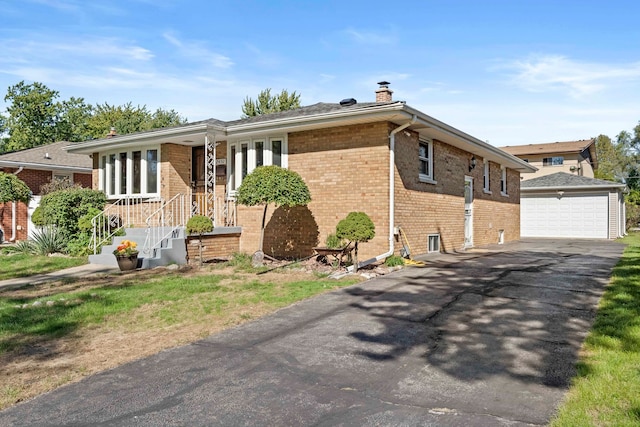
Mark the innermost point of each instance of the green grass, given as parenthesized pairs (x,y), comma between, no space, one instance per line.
(606,391)
(174,299)
(23,265)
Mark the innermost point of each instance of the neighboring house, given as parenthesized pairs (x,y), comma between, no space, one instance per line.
(575,157)
(566,205)
(36,167)
(446,189)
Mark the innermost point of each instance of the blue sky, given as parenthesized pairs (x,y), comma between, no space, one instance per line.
(508,72)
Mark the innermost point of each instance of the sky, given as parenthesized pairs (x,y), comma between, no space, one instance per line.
(509,72)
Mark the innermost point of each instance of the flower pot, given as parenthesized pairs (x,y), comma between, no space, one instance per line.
(127,263)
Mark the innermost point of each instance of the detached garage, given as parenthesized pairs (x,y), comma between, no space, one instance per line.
(566,205)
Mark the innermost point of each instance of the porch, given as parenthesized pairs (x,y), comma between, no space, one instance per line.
(158,227)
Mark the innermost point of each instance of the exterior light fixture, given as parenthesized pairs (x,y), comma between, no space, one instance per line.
(472,163)
(560,193)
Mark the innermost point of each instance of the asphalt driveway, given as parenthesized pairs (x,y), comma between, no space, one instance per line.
(485,338)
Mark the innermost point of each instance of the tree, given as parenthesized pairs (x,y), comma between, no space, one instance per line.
(199,224)
(612,159)
(36,118)
(12,189)
(33,114)
(356,227)
(128,119)
(272,184)
(266,103)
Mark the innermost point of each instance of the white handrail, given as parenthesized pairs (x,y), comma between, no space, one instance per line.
(125,212)
(164,223)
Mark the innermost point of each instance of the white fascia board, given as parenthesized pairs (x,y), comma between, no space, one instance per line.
(39,166)
(136,139)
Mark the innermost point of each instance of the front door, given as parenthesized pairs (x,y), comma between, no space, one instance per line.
(468,212)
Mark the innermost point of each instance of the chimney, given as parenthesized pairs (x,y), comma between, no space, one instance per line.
(112,133)
(383,93)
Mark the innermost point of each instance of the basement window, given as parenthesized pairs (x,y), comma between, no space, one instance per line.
(433,243)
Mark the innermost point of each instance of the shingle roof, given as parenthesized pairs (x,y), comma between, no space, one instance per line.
(566,180)
(48,156)
(550,148)
(319,108)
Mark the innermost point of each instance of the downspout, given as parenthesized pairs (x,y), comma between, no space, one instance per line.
(14,223)
(392,182)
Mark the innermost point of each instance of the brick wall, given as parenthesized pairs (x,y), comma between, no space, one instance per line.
(175,170)
(426,208)
(346,169)
(34,179)
(84,179)
(213,246)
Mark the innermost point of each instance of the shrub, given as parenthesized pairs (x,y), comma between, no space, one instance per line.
(356,227)
(37,218)
(334,242)
(22,247)
(64,208)
(199,224)
(48,240)
(394,261)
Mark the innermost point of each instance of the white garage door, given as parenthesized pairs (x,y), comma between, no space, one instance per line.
(585,216)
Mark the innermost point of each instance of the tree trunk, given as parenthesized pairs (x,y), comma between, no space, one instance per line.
(264,218)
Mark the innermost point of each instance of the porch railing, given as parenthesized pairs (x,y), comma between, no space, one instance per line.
(125,212)
(165,222)
(224,212)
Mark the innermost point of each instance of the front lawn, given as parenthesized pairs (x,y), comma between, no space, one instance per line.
(59,332)
(606,391)
(14,265)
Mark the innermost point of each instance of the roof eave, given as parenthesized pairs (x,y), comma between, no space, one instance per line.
(150,137)
(572,187)
(40,166)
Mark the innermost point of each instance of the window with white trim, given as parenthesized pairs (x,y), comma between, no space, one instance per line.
(486,177)
(433,243)
(503,181)
(246,155)
(425,160)
(130,172)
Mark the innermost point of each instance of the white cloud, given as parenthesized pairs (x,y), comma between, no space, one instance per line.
(555,72)
(197,51)
(370,37)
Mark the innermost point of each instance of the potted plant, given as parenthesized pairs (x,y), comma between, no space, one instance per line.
(127,255)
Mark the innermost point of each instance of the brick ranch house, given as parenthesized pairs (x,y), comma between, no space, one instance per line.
(445,189)
(36,167)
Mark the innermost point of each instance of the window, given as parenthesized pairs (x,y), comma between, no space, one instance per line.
(63,176)
(433,243)
(127,173)
(486,177)
(503,181)
(425,161)
(553,161)
(244,156)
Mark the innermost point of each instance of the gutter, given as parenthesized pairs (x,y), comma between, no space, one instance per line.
(392,200)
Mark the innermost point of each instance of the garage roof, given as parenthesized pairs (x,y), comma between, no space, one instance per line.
(566,181)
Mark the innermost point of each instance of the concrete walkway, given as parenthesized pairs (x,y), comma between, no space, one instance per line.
(486,338)
(80,271)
